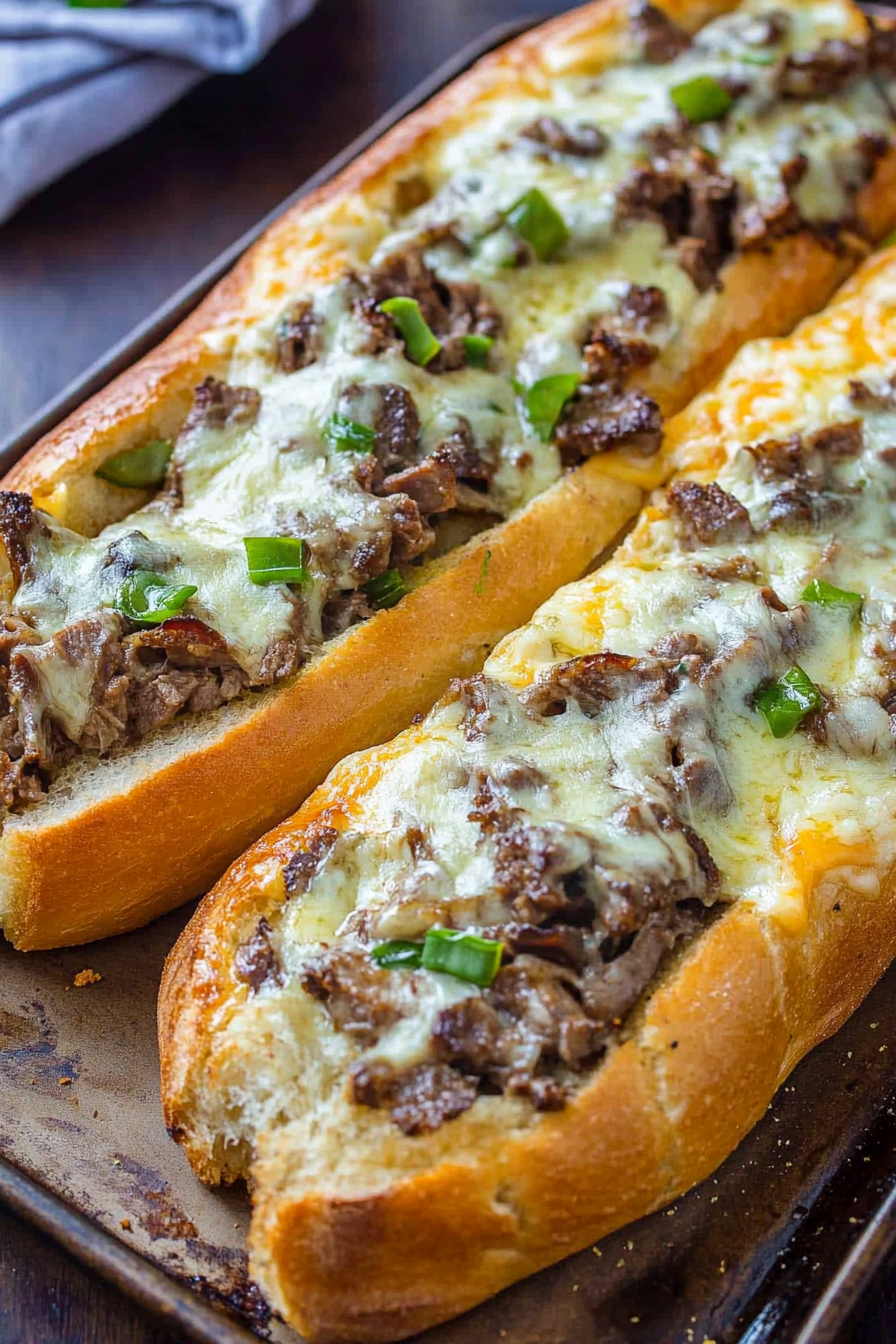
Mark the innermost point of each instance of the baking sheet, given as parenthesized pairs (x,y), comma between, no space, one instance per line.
(777,1246)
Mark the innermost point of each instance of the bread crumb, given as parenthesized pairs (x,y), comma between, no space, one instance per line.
(629,1245)
(619,1264)
(126,1224)
(116,1161)
(66,1082)
(597,1251)
(95,1114)
(575,1287)
(634,1319)
(87,977)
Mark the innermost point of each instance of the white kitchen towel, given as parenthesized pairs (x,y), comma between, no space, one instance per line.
(74,80)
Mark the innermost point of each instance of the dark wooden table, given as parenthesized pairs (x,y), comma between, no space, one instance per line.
(97,252)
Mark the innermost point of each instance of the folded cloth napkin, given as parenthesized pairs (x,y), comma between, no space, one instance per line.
(73,80)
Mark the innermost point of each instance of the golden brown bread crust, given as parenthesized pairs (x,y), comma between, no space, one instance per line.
(69,879)
(382,1236)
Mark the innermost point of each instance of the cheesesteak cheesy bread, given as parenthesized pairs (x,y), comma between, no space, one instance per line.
(213,595)
(533,968)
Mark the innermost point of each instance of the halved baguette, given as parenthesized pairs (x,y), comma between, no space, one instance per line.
(119,841)
(361,1232)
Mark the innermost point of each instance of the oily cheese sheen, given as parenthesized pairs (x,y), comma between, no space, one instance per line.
(428,397)
(669,797)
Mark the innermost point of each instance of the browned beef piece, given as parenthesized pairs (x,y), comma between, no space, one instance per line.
(793,510)
(355,992)
(593,679)
(742,567)
(611,358)
(431,484)
(186,640)
(485,702)
(536,994)
(20,784)
(307,862)
(643,306)
(610,990)
(658,194)
(879,398)
(778,458)
(343,610)
(872,147)
(756,224)
(297,337)
(824,71)
(397,426)
(684,190)
(453,309)
(107,723)
(217,405)
(471,463)
(707,515)
(390,410)
(16,526)
(421,1098)
(807,459)
(410,534)
(660,39)
(536,867)
(882,48)
(559,943)
(695,260)
(603,416)
(581,140)
(837,443)
(157,702)
(255,960)
(283,659)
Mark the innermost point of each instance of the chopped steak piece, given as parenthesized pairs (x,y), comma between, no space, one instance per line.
(16,524)
(185,638)
(391,412)
(611,358)
(471,463)
(810,74)
(217,404)
(421,1098)
(256,961)
(410,534)
(354,990)
(485,703)
(611,989)
(453,309)
(708,515)
(297,337)
(581,140)
(660,39)
(306,863)
(684,190)
(397,426)
(881,397)
(601,417)
(792,510)
(559,943)
(644,306)
(593,679)
(431,484)
(343,610)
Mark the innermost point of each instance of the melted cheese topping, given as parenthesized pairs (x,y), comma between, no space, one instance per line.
(782,815)
(277,477)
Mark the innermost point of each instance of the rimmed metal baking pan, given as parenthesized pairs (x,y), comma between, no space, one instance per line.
(776,1248)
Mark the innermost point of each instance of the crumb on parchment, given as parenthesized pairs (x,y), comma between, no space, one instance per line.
(87,977)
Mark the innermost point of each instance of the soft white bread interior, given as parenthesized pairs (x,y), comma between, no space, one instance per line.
(120,840)
(362,1231)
